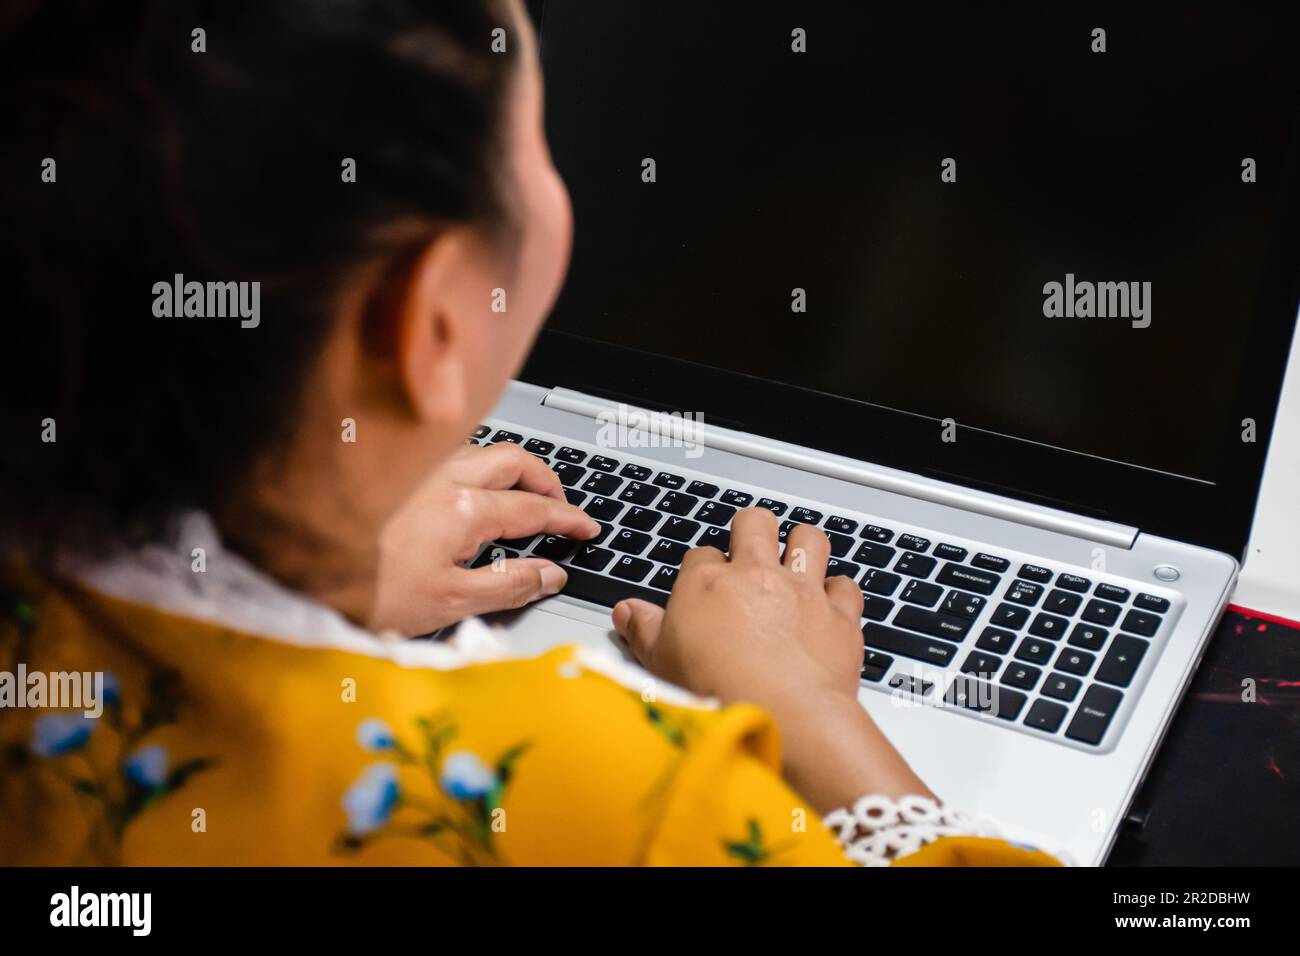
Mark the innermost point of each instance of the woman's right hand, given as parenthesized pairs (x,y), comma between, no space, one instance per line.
(775,632)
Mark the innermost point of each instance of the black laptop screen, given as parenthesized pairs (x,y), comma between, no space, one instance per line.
(1122,176)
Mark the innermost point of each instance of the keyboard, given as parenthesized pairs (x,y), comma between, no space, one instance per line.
(1050,650)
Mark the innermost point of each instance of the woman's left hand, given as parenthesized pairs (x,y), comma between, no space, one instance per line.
(478,495)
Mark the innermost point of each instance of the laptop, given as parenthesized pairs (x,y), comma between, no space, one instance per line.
(1005,315)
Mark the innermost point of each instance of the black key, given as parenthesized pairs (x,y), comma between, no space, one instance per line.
(554,547)
(876,608)
(880,582)
(603,509)
(592,558)
(1072,582)
(1121,661)
(783,531)
(876,533)
(635,472)
(679,529)
(668,552)
(1061,602)
(1008,615)
(702,489)
(977,662)
(513,438)
(631,569)
(913,542)
(664,579)
(737,499)
(482,431)
(983,697)
(1046,716)
(571,455)
(1074,662)
(917,565)
(1094,714)
(835,566)
(995,639)
(629,541)
(1101,612)
(1089,637)
(600,589)
(841,544)
(491,554)
(719,538)
(667,480)
(914,646)
(1019,675)
(1024,592)
(601,535)
(934,623)
(518,544)
(539,447)
(1149,602)
(989,562)
(776,507)
(638,493)
(921,592)
(1049,625)
(569,475)
(1062,686)
(713,512)
(806,516)
(1033,572)
(911,684)
(601,463)
(874,664)
(1034,650)
(876,555)
(1111,593)
(574,497)
(960,576)
(1140,622)
(677,503)
(842,525)
(950,552)
(967,605)
(642,519)
(602,484)
(471,441)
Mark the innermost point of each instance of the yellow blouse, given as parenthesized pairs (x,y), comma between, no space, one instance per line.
(217,747)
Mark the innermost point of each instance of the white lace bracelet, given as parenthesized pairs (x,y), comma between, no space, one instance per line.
(876,830)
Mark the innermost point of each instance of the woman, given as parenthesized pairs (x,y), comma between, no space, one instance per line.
(236,519)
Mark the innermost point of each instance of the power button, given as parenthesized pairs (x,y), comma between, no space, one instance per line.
(1166,572)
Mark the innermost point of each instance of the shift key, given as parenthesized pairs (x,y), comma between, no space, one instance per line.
(914,646)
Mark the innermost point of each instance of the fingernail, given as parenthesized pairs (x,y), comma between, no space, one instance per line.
(621,615)
(553,580)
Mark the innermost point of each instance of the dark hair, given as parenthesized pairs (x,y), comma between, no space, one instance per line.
(224,165)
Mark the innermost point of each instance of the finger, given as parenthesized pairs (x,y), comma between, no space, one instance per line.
(505,465)
(504,584)
(638,623)
(698,557)
(515,514)
(806,551)
(845,596)
(753,536)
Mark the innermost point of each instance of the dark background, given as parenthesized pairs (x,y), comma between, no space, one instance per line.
(821,170)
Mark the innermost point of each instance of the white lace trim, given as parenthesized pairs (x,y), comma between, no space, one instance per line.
(876,830)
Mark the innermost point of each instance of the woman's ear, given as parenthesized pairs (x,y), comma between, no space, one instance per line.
(428,336)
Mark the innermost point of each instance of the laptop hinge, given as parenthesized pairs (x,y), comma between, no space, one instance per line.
(685,430)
